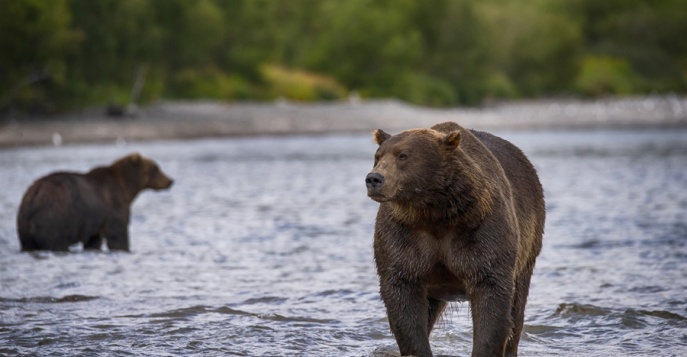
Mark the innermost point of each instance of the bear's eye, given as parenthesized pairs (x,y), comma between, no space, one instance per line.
(402,157)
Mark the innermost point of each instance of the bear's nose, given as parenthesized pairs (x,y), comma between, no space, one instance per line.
(374,181)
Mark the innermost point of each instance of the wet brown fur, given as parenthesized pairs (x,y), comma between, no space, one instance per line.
(461,217)
(65,208)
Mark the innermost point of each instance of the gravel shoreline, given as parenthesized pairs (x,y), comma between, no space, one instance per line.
(206,119)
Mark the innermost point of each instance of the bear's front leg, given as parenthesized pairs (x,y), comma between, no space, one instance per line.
(490,304)
(117,235)
(94,242)
(408,311)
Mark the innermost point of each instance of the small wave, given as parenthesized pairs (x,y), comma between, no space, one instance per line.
(648,289)
(566,310)
(640,319)
(599,244)
(662,314)
(275,300)
(195,311)
(50,299)
(299,319)
(229,311)
(626,318)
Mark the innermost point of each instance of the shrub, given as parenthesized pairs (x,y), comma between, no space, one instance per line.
(300,85)
(425,90)
(604,75)
(210,83)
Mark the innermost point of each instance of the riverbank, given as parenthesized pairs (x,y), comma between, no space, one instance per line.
(205,119)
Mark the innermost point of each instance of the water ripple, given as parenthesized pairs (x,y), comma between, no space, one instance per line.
(249,255)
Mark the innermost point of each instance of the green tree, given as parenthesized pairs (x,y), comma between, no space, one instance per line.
(119,37)
(649,35)
(63,54)
(367,45)
(457,45)
(536,44)
(35,38)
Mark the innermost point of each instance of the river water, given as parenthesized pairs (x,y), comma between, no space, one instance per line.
(263,247)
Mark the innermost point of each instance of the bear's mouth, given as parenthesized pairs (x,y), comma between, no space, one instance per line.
(378,197)
(163,184)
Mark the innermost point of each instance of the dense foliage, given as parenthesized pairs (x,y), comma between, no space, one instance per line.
(63,54)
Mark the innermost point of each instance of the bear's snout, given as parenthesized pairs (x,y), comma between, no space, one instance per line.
(163,183)
(374,182)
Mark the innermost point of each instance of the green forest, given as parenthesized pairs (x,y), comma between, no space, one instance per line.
(58,55)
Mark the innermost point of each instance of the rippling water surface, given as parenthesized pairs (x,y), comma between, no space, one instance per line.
(263,247)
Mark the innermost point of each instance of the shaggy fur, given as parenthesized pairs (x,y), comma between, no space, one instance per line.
(65,208)
(461,217)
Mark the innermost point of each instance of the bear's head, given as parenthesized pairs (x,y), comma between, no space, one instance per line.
(410,165)
(430,176)
(143,173)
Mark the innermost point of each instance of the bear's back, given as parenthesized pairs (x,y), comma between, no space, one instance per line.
(59,192)
(53,187)
(518,168)
(527,191)
(514,162)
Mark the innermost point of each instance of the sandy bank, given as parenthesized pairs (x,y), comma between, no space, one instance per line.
(184,120)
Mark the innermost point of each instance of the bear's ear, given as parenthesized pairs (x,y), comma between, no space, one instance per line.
(452,139)
(379,136)
(135,159)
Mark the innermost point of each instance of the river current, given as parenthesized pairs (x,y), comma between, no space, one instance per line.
(263,247)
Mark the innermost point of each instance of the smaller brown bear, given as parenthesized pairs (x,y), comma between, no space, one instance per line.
(65,208)
(461,218)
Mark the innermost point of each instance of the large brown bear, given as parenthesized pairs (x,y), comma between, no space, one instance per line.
(461,218)
(65,208)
